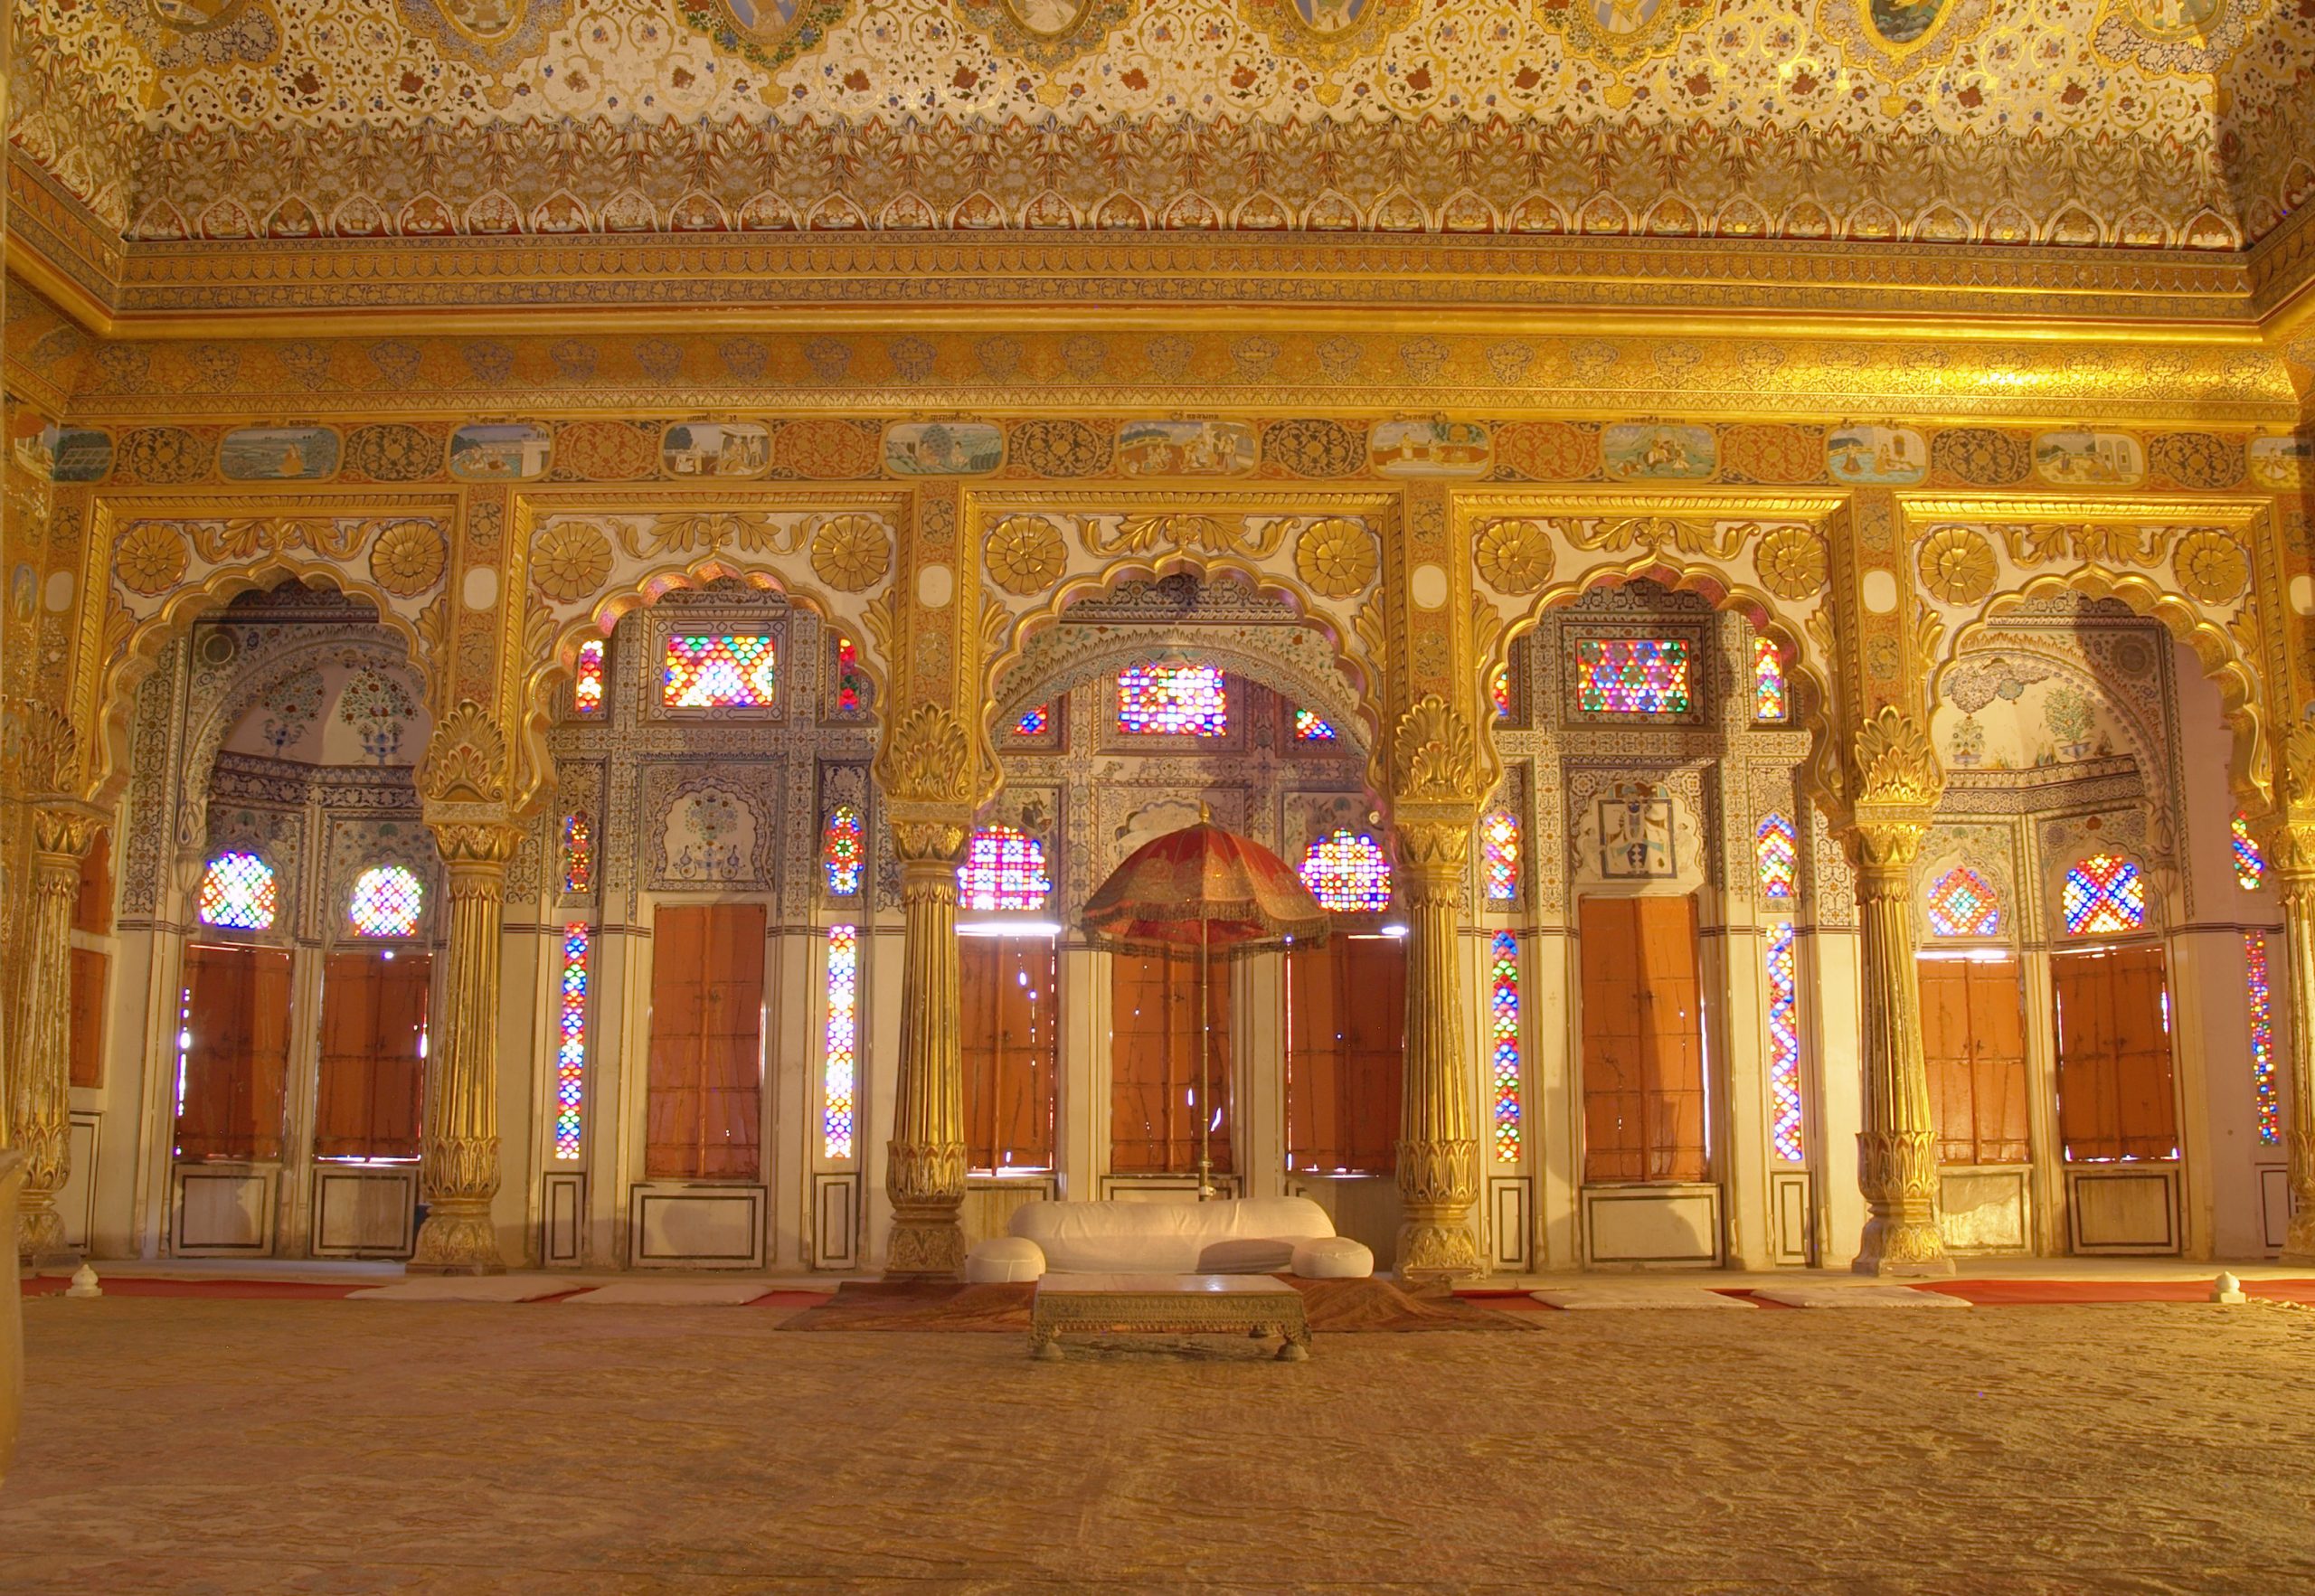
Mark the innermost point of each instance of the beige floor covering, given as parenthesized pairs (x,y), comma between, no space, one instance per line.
(200,1446)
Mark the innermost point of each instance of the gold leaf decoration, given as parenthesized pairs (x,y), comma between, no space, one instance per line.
(925,759)
(1895,764)
(1435,753)
(466,759)
(1026,554)
(709,531)
(1957,565)
(2299,769)
(407,558)
(569,560)
(150,557)
(1206,534)
(2211,566)
(851,551)
(1791,561)
(1516,556)
(41,749)
(1336,556)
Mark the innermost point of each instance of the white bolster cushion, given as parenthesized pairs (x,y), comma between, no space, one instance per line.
(1334,1258)
(1002,1258)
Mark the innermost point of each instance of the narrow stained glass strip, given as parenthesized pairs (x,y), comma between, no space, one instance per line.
(1499,855)
(2266,1091)
(2250,859)
(1784,1045)
(840,1072)
(843,847)
(571,1054)
(1503,1023)
(1776,850)
(587,684)
(1770,702)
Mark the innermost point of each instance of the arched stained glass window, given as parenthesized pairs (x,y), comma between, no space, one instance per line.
(1348,873)
(1770,699)
(386,901)
(587,684)
(1308,727)
(1962,904)
(715,673)
(2104,893)
(1004,869)
(1174,701)
(1499,855)
(843,847)
(1499,691)
(2250,859)
(849,700)
(239,892)
(1777,851)
(578,851)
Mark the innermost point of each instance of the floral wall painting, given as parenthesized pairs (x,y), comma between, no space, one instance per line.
(1638,452)
(710,835)
(715,448)
(2014,712)
(1429,449)
(500,452)
(278,454)
(943,449)
(1877,457)
(1185,448)
(2089,459)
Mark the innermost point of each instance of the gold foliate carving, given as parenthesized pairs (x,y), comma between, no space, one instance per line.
(878,616)
(569,560)
(851,551)
(1336,556)
(1791,563)
(470,844)
(711,532)
(2299,769)
(2104,543)
(241,538)
(1203,535)
(43,750)
(1435,753)
(1516,556)
(2211,566)
(926,757)
(1957,565)
(1026,554)
(1653,533)
(1895,765)
(937,842)
(64,833)
(408,557)
(466,759)
(150,557)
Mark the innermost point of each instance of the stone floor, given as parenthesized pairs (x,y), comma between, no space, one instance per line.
(192,1445)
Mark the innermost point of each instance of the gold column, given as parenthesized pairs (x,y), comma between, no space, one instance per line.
(459,1151)
(1438,1147)
(2294,867)
(40,1120)
(1898,785)
(924,1167)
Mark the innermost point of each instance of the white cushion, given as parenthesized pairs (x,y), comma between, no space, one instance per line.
(1004,1258)
(1252,1235)
(1334,1258)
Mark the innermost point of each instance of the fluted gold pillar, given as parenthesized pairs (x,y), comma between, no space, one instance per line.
(40,1120)
(459,1151)
(1438,1146)
(2294,862)
(1896,1152)
(924,1163)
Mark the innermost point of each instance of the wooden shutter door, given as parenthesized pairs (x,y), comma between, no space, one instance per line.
(2146,1105)
(237,1057)
(1154,1063)
(90,966)
(1944,985)
(1997,1042)
(2115,1095)
(1011,1052)
(1608,930)
(1372,998)
(372,1091)
(704,1094)
(1314,1031)
(1672,1009)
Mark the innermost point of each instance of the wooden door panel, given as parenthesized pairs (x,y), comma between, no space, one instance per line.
(237,1062)
(703,1099)
(1643,1043)
(2116,1095)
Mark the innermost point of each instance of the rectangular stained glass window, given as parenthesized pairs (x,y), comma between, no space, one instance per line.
(1503,1023)
(1004,870)
(720,672)
(587,683)
(840,1070)
(1172,701)
(1770,701)
(570,1053)
(1634,675)
(2264,1090)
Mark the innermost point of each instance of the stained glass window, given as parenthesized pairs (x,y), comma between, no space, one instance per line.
(1499,855)
(1633,675)
(1003,869)
(849,701)
(843,1036)
(1309,727)
(1776,851)
(1347,872)
(1963,904)
(1503,1007)
(2264,1090)
(2102,893)
(1034,723)
(2250,861)
(1172,701)
(578,851)
(571,1054)
(238,891)
(1784,1045)
(1499,691)
(587,685)
(1769,700)
(712,672)
(386,901)
(842,849)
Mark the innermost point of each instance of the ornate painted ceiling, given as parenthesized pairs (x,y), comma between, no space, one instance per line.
(2163,123)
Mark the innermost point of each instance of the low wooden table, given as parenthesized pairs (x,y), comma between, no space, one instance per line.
(1168,1305)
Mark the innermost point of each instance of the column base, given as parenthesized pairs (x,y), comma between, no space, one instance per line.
(2299,1238)
(458,1239)
(925,1247)
(1903,1249)
(1435,1253)
(40,1236)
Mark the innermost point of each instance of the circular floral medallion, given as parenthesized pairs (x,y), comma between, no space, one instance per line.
(151,556)
(2211,566)
(1025,554)
(1791,561)
(407,558)
(1516,556)
(1336,556)
(849,551)
(1957,565)
(569,560)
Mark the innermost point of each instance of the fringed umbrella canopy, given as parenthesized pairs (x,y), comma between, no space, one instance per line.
(1203,887)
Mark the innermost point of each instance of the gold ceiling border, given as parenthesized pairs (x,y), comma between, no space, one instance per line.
(1090,25)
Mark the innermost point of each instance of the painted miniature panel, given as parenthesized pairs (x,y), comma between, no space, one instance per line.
(1185,448)
(500,452)
(943,449)
(278,454)
(1636,453)
(1877,457)
(2089,459)
(715,448)
(1429,449)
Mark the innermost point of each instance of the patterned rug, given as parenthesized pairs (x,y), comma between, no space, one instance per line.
(1333,1307)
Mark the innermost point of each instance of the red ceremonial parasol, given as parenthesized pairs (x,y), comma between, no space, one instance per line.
(1206,888)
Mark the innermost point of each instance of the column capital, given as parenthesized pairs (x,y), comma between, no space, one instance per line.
(474,845)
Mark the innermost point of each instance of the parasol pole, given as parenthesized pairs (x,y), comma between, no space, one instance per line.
(1204,1108)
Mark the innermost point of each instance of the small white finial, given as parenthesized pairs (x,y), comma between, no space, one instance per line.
(84,1283)
(2226,1287)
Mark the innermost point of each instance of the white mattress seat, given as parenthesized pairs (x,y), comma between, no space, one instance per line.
(1248,1236)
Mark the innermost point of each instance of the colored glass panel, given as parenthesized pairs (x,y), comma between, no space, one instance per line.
(587,685)
(1776,850)
(839,1072)
(1499,855)
(2266,1093)
(850,702)
(722,672)
(1004,869)
(1309,727)
(2102,893)
(1962,904)
(1035,723)
(843,846)
(386,901)
(1172,701)
(578,851)
(1770,702)
(570,1053)
(1499,691)
(1503,1009)
(1348,873)
(1633,675)
(237,891)
(1784,1045)
(2250,861)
